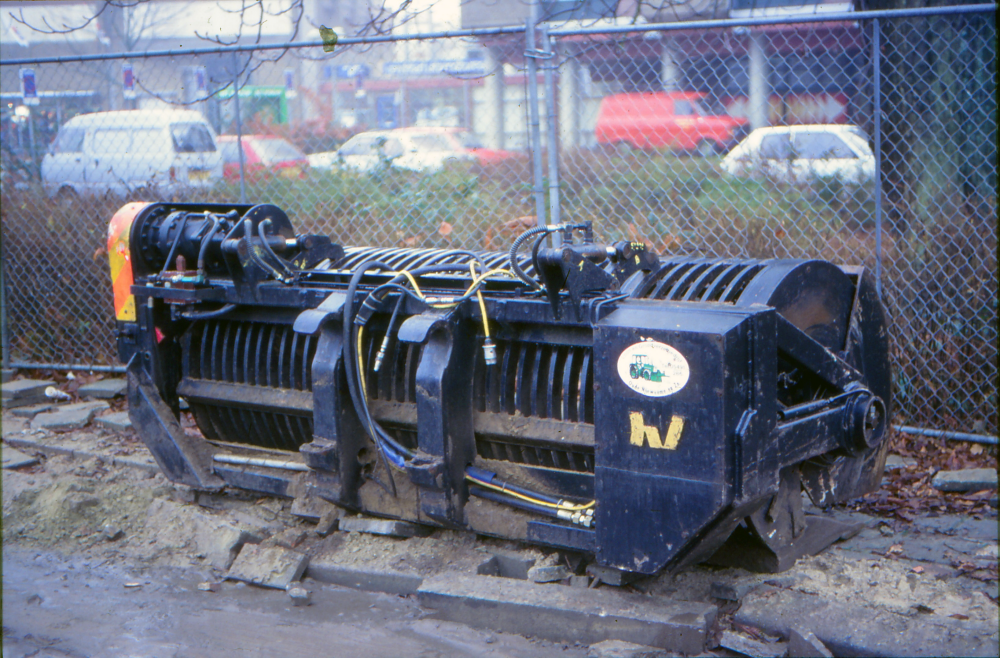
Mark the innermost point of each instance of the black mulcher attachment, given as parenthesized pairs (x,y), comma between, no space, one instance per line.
(653,412)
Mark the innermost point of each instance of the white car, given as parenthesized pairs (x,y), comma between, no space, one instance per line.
(803,154)
(406,148)
(119,152)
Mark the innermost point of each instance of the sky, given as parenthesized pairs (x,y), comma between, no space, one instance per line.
(219,19)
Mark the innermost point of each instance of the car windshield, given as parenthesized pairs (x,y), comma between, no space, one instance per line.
(70,140)
(821,146)
(431,143)
(191,138)
(276,150)
(776,147)
(469,140)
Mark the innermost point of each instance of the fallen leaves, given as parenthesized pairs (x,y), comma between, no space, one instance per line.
(907,492)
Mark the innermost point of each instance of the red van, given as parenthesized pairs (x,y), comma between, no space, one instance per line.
(669,119)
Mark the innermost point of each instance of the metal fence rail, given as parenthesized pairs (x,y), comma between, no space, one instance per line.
(627,126)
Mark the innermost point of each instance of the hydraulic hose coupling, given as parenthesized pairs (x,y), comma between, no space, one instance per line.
(490,352)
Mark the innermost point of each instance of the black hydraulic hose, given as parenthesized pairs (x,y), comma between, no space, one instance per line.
(353,368)
(492,478)
(262,232)
(513,502)
(512,255)
(204,242)
(534,253)
(173,247)
(209,315)
(254,256)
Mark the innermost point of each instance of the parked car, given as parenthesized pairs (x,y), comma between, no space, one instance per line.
(264,156)
(465,140)
(801,154)
(670,119)
(123,151)
(414,149)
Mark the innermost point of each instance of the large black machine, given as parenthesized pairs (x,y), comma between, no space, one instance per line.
(650,411)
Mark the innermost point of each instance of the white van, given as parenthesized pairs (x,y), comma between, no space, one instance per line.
(120,152)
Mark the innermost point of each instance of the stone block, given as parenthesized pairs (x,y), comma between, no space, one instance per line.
(329,522)
(33,410)
(268,567)
(12,458)
(969,479)
(25,392)
(65,419)
(104,389)
(750,647)
(622,649)
(7,374)
(805,644)
(895,462)
(299,596)
(852,630)
(311,508)
(547,574)
(25,388)
(567,614)
(116,422)
(385,527)
(609,576)
(327,569)
(730,591)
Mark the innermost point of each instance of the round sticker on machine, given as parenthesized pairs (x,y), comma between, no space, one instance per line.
(652,368)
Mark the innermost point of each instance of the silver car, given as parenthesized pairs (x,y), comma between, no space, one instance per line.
(803,154)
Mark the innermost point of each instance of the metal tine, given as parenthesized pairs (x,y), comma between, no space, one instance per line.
(719,284)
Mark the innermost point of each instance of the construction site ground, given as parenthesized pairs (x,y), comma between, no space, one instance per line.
(102,556)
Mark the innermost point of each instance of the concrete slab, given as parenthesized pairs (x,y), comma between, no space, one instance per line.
(385,527)
(622,649)
(65,419)
(567,614)
(25,388)
(104,389)
(12,458)
(547,574)
(750,647)
(7,374)
(805,644)
(895,462)
(33,410)
(116,422)
(853,631)
(310,508)
(215,538)
(325,569)
(969,479)
(268,567)
(25,392)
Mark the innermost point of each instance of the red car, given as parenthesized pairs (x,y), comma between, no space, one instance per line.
(264,156)
(670,119)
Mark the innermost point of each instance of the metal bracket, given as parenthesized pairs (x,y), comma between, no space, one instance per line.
(309,322)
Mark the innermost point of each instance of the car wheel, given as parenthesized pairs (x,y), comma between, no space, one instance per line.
(706,148)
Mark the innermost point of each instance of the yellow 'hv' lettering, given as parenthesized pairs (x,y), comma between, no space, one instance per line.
(641,433)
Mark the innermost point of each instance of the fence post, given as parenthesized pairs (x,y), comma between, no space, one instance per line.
(553,132)
(535,136)
(239,126)
(877,102)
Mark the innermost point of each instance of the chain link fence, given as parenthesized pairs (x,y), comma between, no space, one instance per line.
(879,149)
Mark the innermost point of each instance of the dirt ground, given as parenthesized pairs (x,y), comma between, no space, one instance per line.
(89,541)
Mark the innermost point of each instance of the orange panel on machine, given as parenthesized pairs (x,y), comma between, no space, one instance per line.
(120,257)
